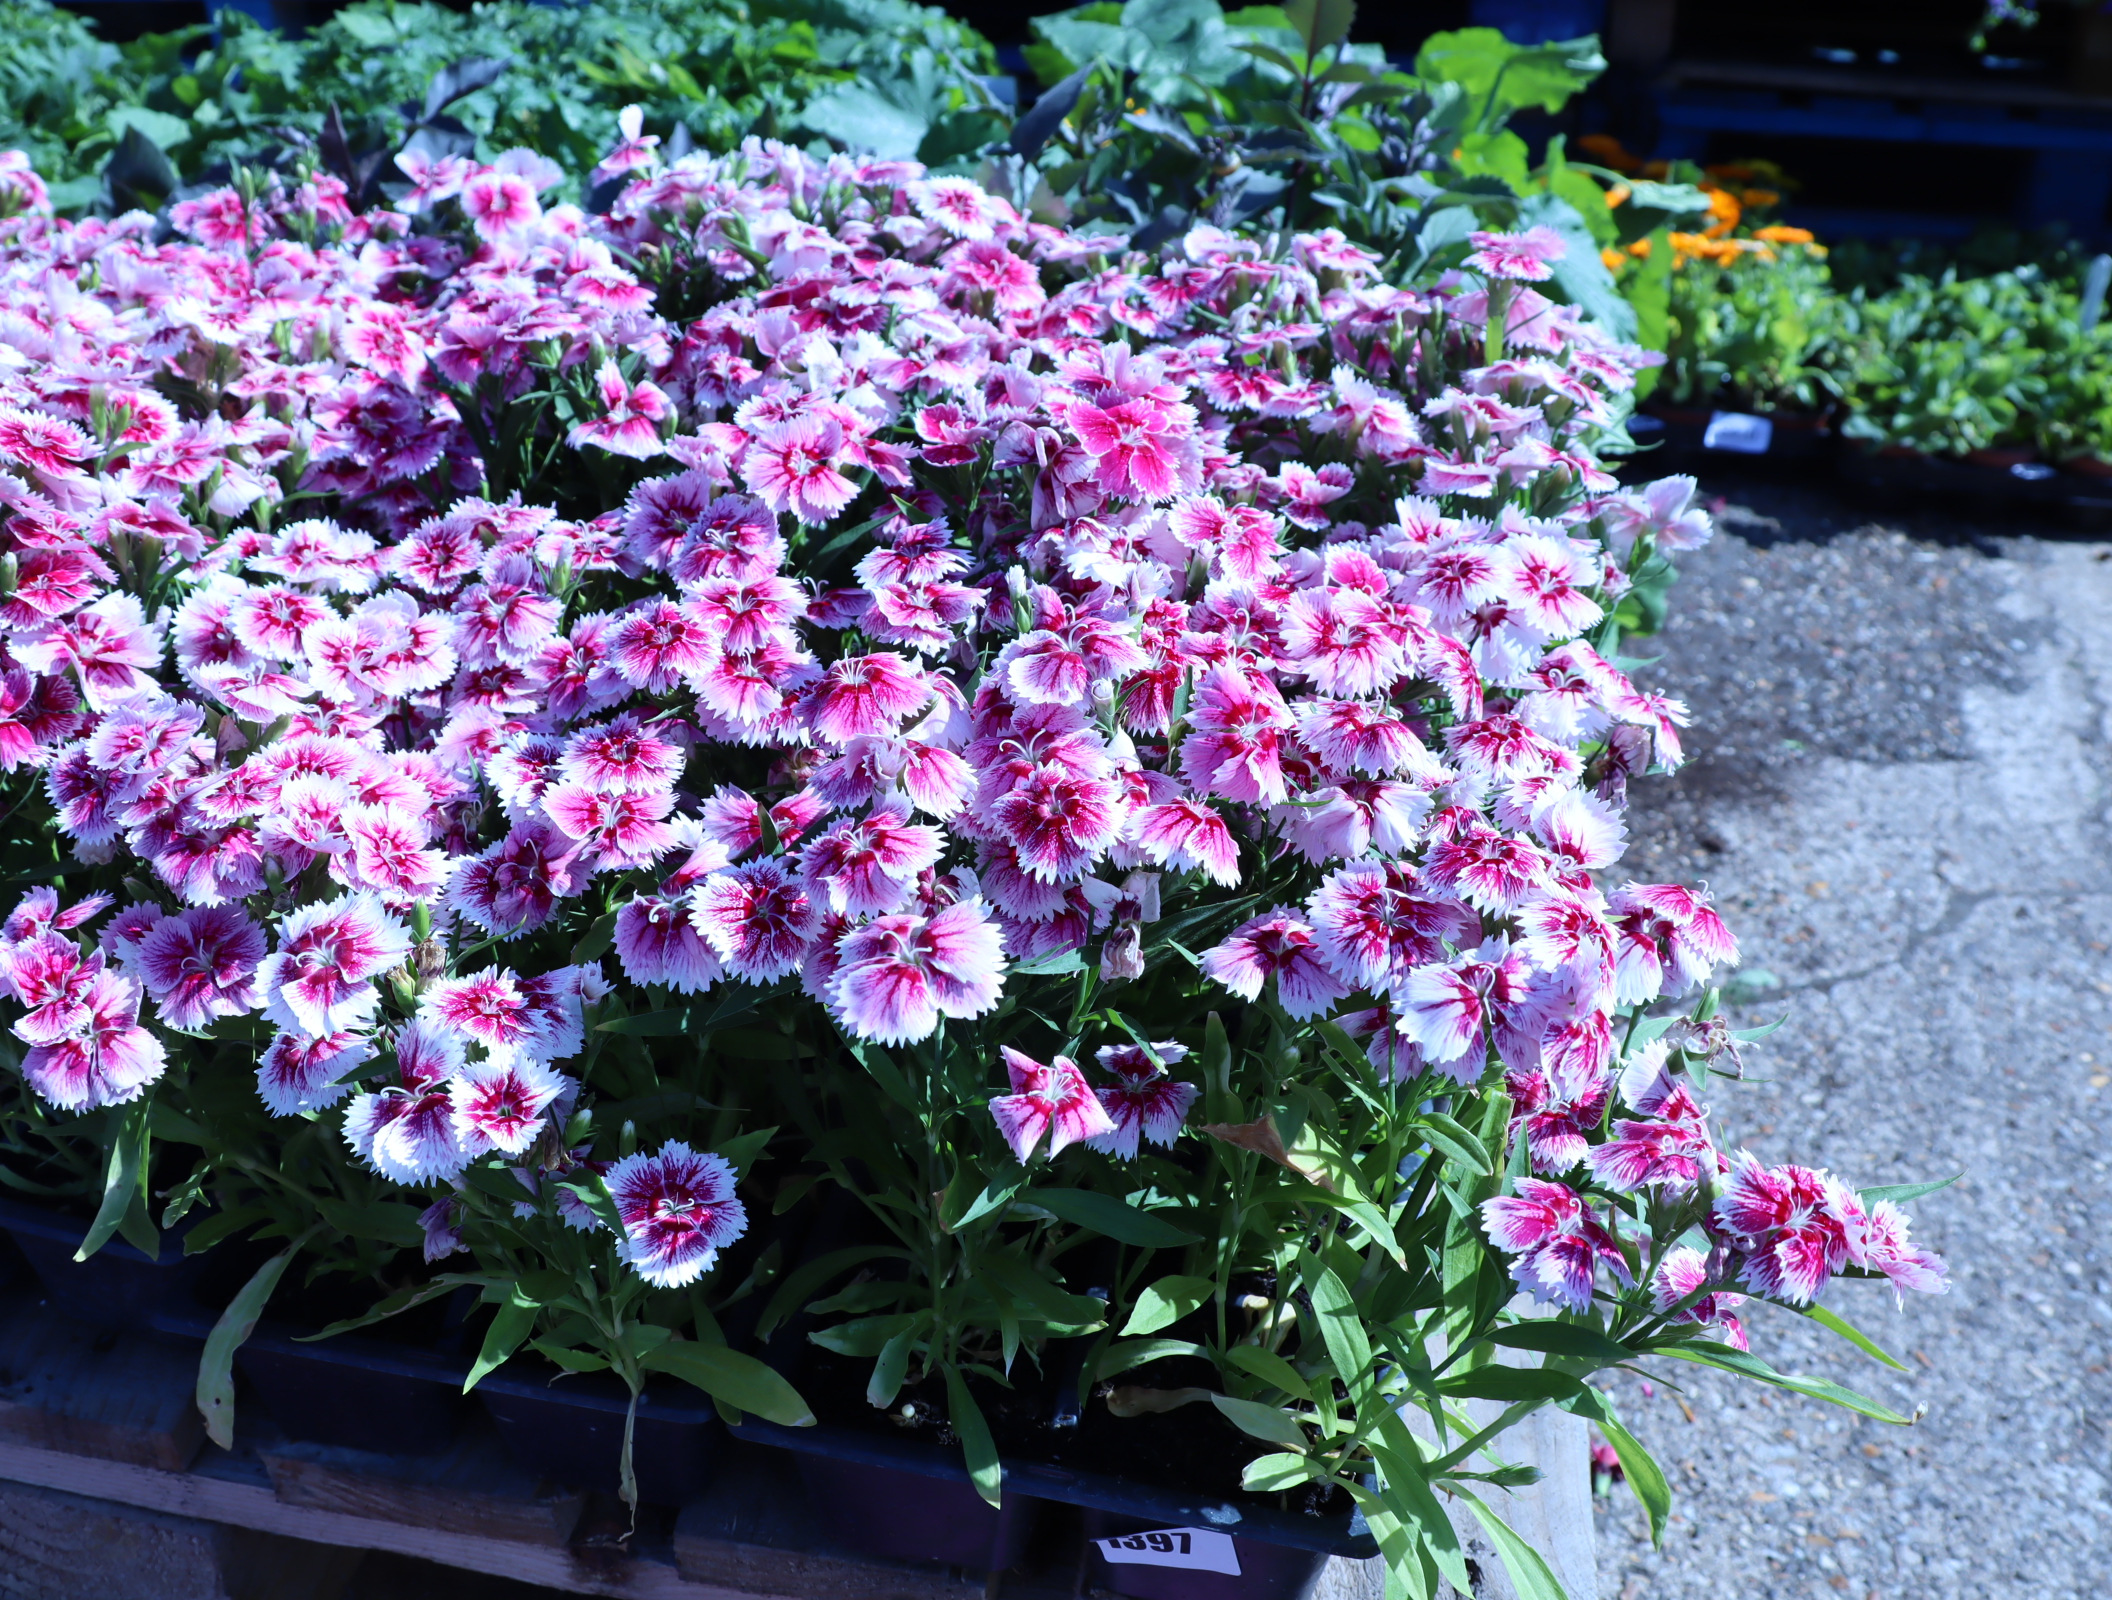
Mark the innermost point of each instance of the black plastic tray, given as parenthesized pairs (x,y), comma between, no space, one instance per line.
(1162,1507)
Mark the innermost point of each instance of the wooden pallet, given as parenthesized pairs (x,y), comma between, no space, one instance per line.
(110,1420)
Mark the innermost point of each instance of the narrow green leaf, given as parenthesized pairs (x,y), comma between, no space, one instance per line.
(970,1426)
(1530,1575)
(650,1024)
(890,1367)
(401,1301)
(802,1284)
(1855,1336)
(1407,1481)
(1263,1422)
(1167,1301)
(1644,1476)
(123,1175)
(509,1328)
(1124,1354)
(862,1336)
(1561,1339)
(1269,1474)
(1440,1132)
(1342,1328)
(216,1367)
(739,1380)
(1510,1384)
(1106,1215)
(1269,1367)
(1704,1353)
(1900,1193)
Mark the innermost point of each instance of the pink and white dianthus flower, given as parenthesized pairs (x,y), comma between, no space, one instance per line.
(1524,257)
(201,964)
(631,416)
(658,943)
(500,1105)
(1052,1100)
(758,919)
(898,975)
(1683,1273)
(1277,944)
(793,466)
(304,1072)
(109,1060)
(486,1007)
(1145,1102)
(678,1211)
(868,866)
(1188,836)
(1448,1008)
(320,979)
(1558,1240)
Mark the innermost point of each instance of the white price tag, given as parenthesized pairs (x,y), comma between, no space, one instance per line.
(1739,433)
(1197,1549)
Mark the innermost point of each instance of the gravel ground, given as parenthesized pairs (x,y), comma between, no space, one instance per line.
(1902,763)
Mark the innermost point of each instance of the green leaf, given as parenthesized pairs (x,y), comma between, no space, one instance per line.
(1051,966)
(216,1367)
(890,1367)
(973,1430)
(1320,23)
(1342,1328)
(124,1179)
(390,1222)
(1530,1575)
(1561,1339)
(1124,1354)
(1406,1472)
(1167,1301)
(166,131)
(1105,1215)
(570,1359)
(649,1024)
(1855,1336)
(1644,1476)
(509,1329)
(1440,1132)
(1900,1193)
(1510,1384)
(800,1285)
(1269,1367)
(401,1301)
(1262,1422)
(597,940)
(739,1380)
(1269,1474)
(862,1336)
(1705,1353)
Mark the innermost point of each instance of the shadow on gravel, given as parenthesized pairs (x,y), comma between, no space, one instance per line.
(1819,624)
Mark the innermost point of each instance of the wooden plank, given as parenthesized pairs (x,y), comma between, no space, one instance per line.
(753,1531)
(474,1489)
(120,1397)
(61,1547)
(219,1491)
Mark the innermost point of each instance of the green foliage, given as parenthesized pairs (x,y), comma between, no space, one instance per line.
(718,69)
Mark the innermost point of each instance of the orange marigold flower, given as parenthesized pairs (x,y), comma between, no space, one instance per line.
(1610,151)
(1777,233)
(1613,258)
(1640,249)
(1617,194)
(1757,198)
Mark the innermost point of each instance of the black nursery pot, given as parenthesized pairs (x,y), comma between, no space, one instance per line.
(119,1288)
(361,1394)
(906,1516)
(569,1429)
(1266,1571)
